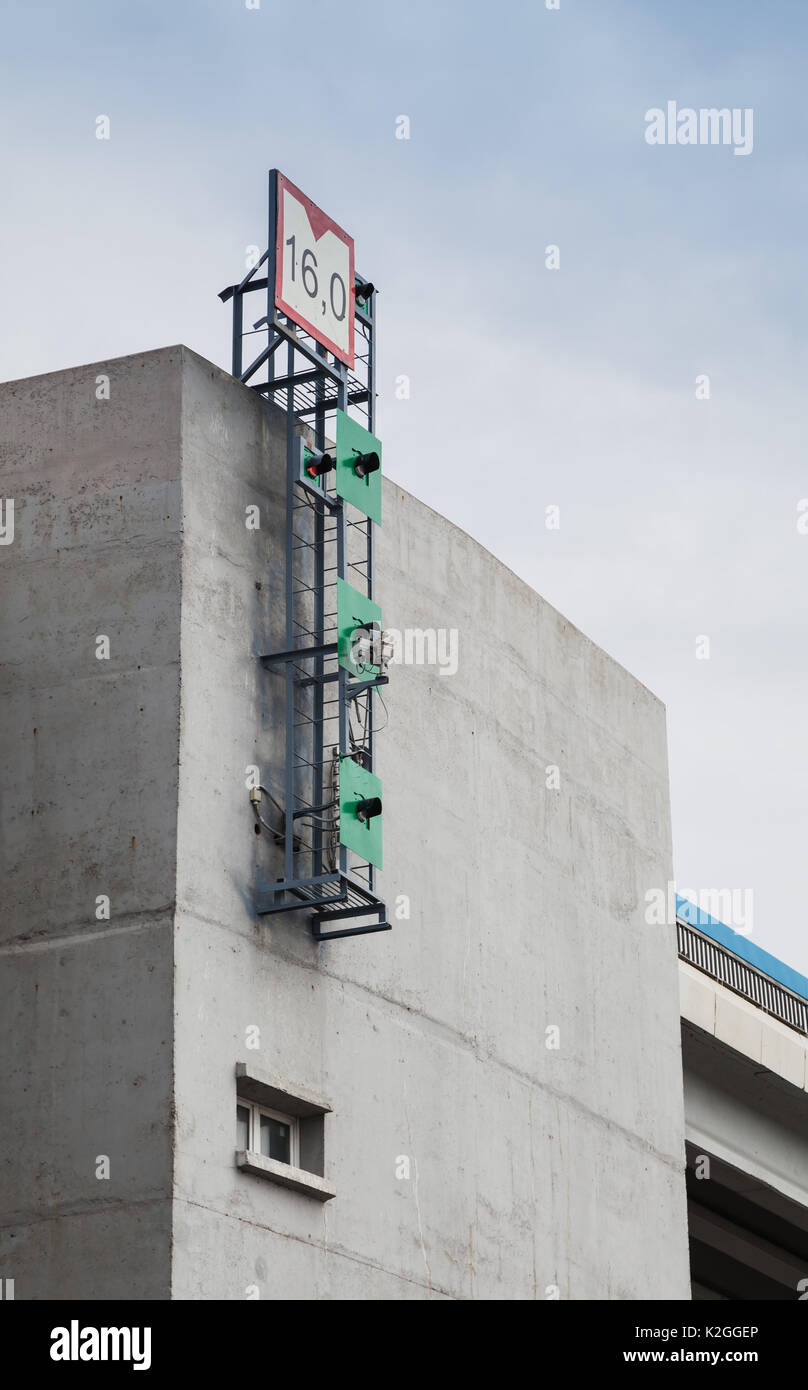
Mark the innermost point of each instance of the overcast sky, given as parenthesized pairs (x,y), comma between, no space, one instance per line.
(529,387)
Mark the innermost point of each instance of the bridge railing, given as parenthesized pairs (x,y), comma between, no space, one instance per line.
(743,979)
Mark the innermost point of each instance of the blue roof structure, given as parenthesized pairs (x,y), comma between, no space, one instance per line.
(740,946)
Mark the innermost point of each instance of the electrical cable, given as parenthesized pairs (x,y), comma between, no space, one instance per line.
(386,714)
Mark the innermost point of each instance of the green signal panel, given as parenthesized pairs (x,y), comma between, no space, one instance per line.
(354,610)
(353,442)
(364,837)
(308,457)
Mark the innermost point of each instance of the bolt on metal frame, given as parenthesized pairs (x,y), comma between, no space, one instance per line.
(323,543)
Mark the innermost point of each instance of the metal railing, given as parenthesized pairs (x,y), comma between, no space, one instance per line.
(743,979)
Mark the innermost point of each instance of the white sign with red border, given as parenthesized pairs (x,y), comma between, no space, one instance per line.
(314,271)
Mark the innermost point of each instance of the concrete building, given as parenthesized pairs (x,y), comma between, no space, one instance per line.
(745,1054)
(485,1102)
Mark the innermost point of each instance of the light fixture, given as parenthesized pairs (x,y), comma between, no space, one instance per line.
(319,464)
(366,644)
(366,463)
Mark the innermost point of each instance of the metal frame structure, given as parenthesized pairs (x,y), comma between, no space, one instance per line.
(742,978)
(328,713)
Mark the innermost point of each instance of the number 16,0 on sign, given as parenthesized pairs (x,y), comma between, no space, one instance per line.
(314,271)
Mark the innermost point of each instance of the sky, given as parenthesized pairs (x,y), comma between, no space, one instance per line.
(579,388)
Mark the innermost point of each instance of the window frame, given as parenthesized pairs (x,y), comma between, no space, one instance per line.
(256,1109)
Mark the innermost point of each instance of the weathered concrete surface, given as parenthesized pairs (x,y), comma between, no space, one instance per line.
(88,799)
(529,1167)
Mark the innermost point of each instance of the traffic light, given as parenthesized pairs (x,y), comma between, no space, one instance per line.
(358,623)
(360,811)
(315,465)
(366,463)
(359,467)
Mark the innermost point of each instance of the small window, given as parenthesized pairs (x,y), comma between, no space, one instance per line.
(280,1132)
(267,1132)
(276,1138)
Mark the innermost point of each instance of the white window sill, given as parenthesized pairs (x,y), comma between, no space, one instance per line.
(296,1178)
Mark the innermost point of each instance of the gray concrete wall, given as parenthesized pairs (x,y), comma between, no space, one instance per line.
(529,1167)
(88,797)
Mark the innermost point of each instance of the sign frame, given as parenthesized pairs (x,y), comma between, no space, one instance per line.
(363,493)
(364,838)
(320,223)
(354,608)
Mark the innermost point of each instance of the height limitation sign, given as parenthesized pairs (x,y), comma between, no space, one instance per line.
(314,270)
